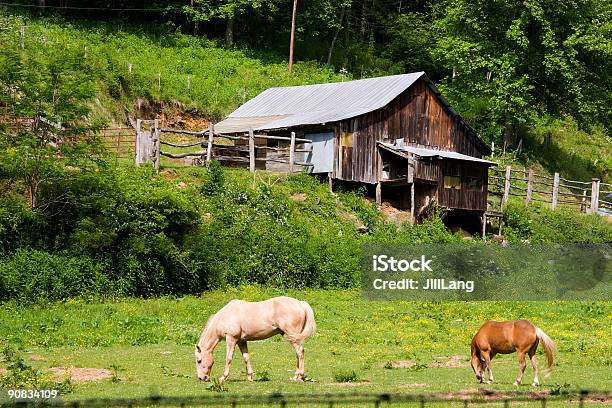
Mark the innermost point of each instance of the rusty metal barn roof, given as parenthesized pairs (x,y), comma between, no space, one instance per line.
(442,154)
(278,108)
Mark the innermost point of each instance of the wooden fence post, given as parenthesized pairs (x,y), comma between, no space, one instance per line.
(507,185)
(22,36)
(211,133)
(583,201)
(138,143)
(555,191)
(251,150)
(292,152)
(378,194)
(156,145)
(529,187)
(594,195)
(330,182)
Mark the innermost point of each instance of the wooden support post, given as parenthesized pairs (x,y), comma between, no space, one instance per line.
(378,194)
(138,142)
(251,150)
(156,145)
(484,226)
(529,187)
(211,133)
(412,203)
(507,186)
(583,201)
(330,182)
(594,195)
(22,36)
(292,152)
(555,191)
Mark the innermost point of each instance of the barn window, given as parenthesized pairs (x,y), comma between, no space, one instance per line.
(346,139)
(473,184)
(452,182)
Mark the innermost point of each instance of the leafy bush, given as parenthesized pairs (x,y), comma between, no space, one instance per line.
(539,224)
(346,376)
(36,276)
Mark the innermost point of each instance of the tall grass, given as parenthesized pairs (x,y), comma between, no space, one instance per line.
(162,63)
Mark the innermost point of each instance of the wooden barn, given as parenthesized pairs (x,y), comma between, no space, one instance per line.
(395,132)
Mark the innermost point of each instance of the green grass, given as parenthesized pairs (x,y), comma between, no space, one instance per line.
(149,344)
(221,80)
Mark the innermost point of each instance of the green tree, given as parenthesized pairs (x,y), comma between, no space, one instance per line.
(51,85)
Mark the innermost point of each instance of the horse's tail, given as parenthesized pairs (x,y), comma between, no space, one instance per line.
(549,348)
(309,325)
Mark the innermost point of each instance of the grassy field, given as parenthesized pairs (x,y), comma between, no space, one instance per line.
(148,344)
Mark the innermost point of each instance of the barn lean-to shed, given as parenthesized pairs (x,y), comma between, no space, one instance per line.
(395,132)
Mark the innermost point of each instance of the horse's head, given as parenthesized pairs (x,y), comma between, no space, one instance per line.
(204,363)
(477,367)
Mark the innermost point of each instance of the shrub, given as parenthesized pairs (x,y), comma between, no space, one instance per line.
(539,224)
(37,276)
(346,376)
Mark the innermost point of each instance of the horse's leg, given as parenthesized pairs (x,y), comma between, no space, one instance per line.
(487,359)
(534,364)
(490,365)
(299,351)
(231,343)
(522,365)
(247,359)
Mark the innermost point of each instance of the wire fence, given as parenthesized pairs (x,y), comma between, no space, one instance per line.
(482,397)
(587,196)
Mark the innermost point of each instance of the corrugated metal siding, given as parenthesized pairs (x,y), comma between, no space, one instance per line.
(316,104)
(371,94)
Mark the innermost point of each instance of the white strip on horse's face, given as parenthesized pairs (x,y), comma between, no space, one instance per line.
(204,363)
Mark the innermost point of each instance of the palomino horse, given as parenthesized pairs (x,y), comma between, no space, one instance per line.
(505,338)
(239,322)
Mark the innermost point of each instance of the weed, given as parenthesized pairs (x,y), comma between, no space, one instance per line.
(346,376)
(216,386)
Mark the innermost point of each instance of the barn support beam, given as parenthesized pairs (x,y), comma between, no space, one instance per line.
(412,203)
(378,194)
(484,226)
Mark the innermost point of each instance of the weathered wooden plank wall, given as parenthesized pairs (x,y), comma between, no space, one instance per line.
(418,117)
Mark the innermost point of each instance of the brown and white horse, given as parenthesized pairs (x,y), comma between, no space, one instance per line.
(505,338)
(240,321)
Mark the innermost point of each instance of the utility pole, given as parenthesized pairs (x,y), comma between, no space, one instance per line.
(292,35)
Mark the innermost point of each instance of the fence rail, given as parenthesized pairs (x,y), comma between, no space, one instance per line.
(120,140)
(482,397)
(149,145)
(556,190)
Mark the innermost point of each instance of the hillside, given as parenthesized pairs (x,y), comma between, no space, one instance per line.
(131,64)
(150,73)
(117,230)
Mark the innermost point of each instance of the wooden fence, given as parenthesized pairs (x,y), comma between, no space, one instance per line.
(242,149)
(588,196)
(120,141)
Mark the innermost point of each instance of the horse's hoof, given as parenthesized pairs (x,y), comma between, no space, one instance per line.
(489,382)
(222,380)
(517,383)
(535,384)
(250,379)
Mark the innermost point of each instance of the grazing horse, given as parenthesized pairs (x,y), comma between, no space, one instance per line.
(505,338)
(240,321)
